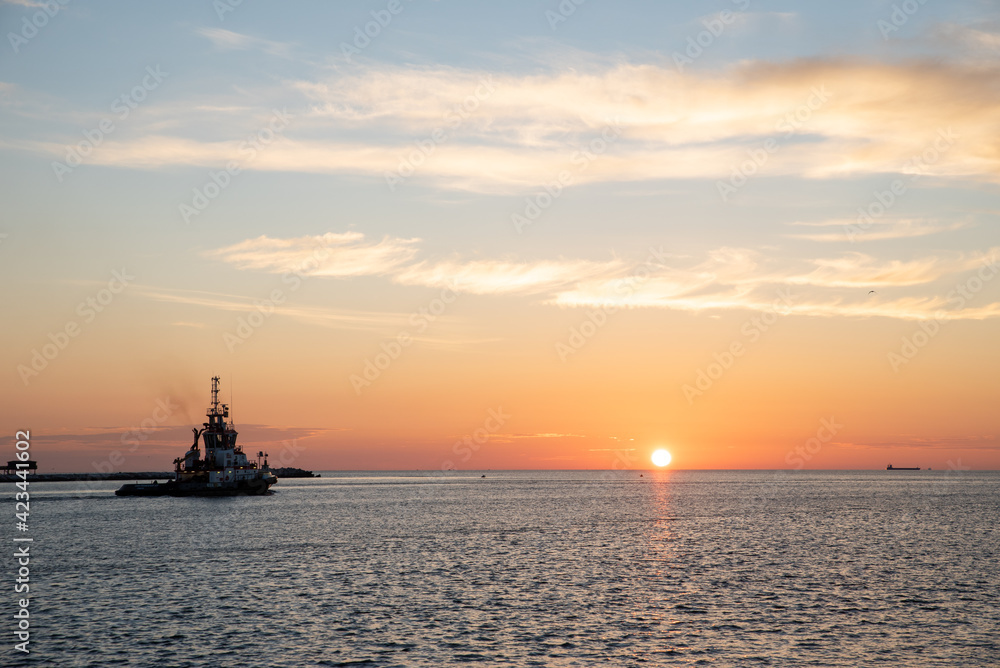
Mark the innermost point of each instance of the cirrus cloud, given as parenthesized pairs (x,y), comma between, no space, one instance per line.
(862,117)
(725,279)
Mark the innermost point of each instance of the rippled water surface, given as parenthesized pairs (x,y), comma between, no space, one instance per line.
(524,568)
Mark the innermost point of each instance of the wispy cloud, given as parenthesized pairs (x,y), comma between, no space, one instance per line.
(874,117)
(326,317)
(867,117)
(857,270)
(514,438)
(227,40)
(504,276)
(333,255)
(979,39)
(847,231)
(984,442)
(727,278)
(350,254)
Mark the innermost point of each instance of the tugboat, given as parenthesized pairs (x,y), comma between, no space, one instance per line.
(223,471)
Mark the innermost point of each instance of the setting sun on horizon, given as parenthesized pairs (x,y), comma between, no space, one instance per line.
(661,458)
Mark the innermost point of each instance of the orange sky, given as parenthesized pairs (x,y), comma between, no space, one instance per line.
(608,406)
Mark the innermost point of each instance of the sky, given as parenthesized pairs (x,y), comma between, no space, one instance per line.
(434,235)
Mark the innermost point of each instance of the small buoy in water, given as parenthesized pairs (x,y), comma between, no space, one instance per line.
(483,476)
(640,475)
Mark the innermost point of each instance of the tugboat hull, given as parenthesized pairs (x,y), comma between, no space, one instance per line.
(173,488)
(143,489)
(241,488)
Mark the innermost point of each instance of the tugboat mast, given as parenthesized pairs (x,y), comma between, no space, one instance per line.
(215,397)
(215,394)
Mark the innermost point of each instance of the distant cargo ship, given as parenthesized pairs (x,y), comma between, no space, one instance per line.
(223,471)
(890,467)
(292,472)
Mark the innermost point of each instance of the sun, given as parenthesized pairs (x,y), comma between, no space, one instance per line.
(661,457)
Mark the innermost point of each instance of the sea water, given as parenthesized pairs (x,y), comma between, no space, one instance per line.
(522,568)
